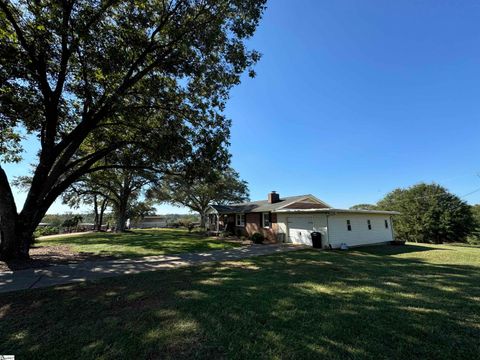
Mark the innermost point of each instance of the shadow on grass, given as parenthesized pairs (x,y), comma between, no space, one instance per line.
(141,243)
(395,249)
(304,304)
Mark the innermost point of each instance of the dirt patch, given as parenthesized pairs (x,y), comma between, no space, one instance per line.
(44,256)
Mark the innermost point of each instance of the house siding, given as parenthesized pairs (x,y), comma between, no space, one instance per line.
(332,224)
(360,234)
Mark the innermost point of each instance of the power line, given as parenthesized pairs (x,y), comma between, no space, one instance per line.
(470,193)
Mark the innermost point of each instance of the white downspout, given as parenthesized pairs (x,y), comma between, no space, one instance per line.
(328,232)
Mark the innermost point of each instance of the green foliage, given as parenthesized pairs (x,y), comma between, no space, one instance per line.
(181,218)
(72,222)
(46,230)
(58,219)
(120,188)
(257,238)
(363,207)
(89,61)
(217,186)
(139,209)
(474,237)
(55,219)
(92,78)
(429,213)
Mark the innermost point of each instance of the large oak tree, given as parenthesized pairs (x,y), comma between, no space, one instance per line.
(152,73)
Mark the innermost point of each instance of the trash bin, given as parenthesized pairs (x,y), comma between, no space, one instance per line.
(316,239)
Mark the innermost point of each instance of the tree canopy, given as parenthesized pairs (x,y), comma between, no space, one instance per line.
(89,77)
(363,207)
(218,186)
(429,213)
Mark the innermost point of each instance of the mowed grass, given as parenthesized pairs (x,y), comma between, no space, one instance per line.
(387,302)
(139,242)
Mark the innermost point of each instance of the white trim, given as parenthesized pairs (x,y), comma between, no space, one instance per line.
(211,210)
(349,225)
(241,217)
(263,220)
(309,196)
(331,210)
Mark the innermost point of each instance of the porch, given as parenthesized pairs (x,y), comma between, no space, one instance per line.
(217,223)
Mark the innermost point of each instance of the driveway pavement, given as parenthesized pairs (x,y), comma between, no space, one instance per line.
(90,270)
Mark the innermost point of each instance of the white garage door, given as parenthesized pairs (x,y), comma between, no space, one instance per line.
(299,229)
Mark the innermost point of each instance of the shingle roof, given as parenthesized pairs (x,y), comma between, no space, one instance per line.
(257,206)
(299,207)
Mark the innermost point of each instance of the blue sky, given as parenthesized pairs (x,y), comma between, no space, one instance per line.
(355,98)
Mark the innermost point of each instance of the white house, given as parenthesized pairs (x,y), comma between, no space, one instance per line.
(292,219)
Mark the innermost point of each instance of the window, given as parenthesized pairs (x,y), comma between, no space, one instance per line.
(240,219)
(266,219)
(369,223)
(386,224)
(349,225)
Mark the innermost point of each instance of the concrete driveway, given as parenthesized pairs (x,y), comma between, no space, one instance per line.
(90,270)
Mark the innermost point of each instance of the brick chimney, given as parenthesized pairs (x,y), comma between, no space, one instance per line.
(273,197)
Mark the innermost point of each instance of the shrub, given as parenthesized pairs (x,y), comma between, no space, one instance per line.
(257,238)
(45,230)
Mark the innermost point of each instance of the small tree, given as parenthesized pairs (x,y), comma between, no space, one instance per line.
(87,193)
(429,213)
(72,222)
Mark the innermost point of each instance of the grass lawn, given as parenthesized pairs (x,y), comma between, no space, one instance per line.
(411,302)
(138,242)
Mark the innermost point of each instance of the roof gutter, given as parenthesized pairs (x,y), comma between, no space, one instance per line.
(333,211)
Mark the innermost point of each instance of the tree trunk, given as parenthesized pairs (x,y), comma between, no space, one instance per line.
(9,245)
(16,230)
(203,219)
(95,209)
(121,220)
(121,216)
(103,206)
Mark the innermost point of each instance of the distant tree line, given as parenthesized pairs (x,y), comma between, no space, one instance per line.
(59,221)
(430,213)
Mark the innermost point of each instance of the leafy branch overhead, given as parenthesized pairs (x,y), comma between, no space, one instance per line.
(90,77)
(219,186)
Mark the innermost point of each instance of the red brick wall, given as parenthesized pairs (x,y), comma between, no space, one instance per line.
(254,224)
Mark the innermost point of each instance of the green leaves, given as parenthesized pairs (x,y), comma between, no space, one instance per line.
(217,186)
(10,146)
(92,78)
(429,213)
